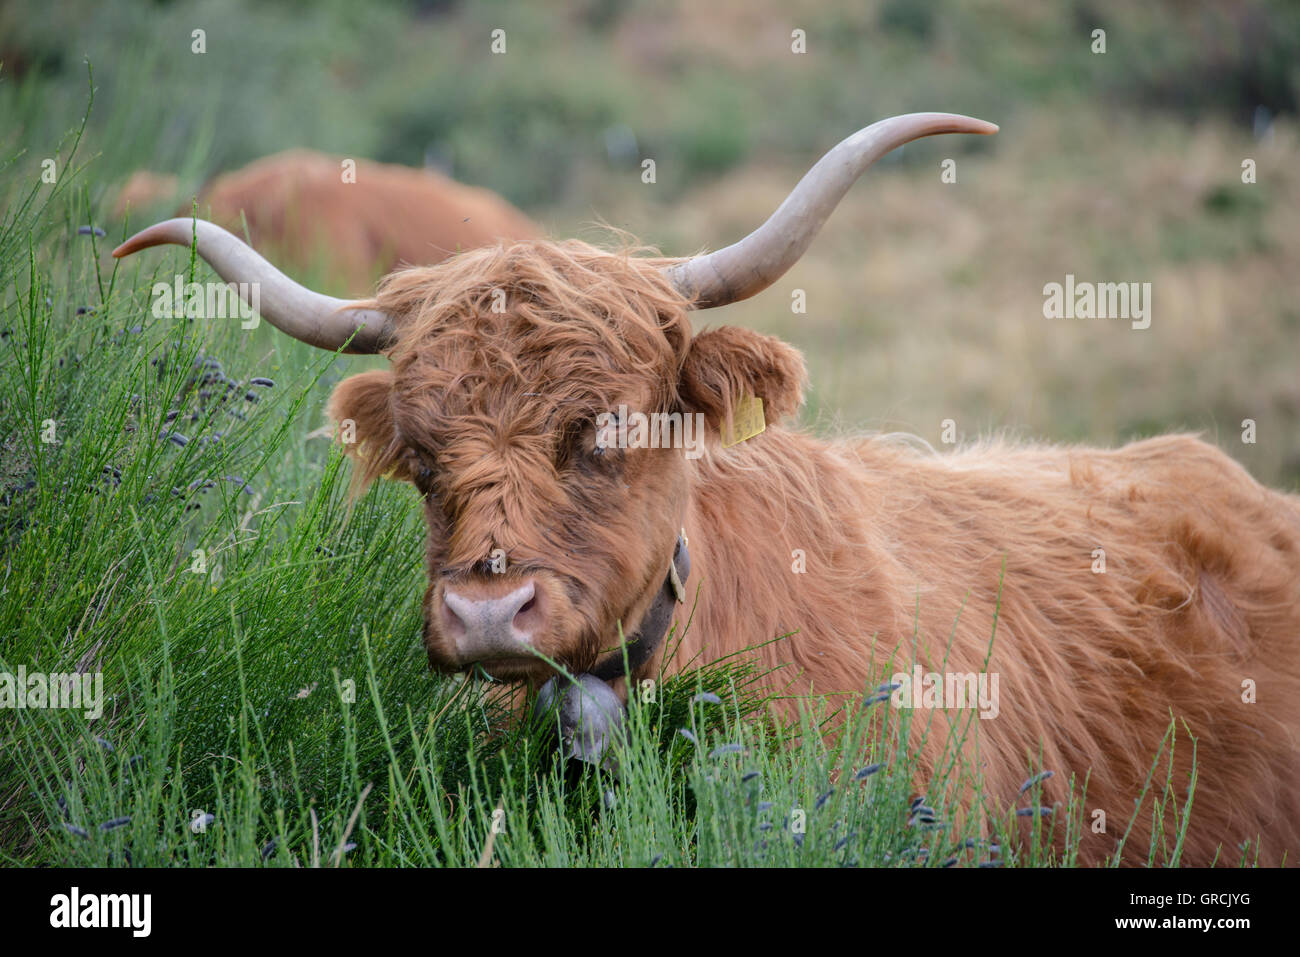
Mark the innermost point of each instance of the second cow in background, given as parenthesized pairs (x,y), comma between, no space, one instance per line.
(300,207)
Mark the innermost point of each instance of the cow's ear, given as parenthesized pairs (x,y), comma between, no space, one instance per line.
(361,408)
(728,363)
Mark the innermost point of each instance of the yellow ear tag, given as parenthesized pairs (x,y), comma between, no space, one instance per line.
(746,421)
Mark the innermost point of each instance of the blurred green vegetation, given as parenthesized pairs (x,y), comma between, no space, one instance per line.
(412,82)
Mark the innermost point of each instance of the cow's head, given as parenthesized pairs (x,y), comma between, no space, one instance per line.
(508,366)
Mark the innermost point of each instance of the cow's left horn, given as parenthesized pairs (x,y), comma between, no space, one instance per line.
(761,258)
(315,319)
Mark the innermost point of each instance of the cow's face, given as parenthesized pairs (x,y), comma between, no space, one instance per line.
(510,369)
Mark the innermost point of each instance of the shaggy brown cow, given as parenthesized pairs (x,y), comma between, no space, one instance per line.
(299,208)
(491,408)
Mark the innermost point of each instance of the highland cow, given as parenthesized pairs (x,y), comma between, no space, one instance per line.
(871,555)
(350,222)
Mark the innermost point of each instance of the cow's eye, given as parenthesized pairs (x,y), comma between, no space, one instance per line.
(602,441)
(421,465)
(595,445)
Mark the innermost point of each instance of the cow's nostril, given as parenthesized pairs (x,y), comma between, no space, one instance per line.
(528,619)
(452,624)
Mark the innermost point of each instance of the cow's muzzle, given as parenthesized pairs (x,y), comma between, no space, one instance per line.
(491,621)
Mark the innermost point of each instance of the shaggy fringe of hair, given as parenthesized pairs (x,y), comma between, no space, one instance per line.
(591,325)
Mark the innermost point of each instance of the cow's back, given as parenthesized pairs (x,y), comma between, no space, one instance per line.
(301,209)
(1151,583)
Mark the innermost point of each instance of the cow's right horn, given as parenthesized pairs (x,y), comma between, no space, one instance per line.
(318,320)
(761,258)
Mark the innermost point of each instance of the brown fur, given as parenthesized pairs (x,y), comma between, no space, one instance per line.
(909,554)
(301,214)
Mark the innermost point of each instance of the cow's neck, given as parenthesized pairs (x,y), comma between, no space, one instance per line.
(780,538)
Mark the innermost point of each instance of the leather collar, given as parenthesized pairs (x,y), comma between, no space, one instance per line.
(654,626)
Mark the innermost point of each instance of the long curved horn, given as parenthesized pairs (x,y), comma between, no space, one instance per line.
(317,320)
(761,258)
